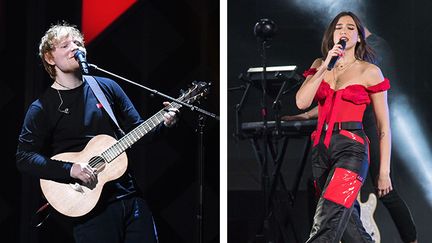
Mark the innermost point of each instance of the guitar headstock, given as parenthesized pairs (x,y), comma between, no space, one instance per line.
(198,90)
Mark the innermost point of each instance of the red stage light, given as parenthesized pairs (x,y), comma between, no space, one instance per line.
(97,15)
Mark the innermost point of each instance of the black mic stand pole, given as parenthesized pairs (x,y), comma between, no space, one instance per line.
(201,151)
(264,29)
(265,176)
(191,107)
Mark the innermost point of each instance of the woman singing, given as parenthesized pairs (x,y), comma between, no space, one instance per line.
(340,152)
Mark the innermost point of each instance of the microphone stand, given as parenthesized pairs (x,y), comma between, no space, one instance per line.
(191,107)
(265,176)
(201,119)
(264,29)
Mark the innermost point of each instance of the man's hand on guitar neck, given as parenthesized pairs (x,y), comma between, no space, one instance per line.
(85,174)
(171,116)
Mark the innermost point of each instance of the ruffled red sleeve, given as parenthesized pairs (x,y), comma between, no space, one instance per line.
(356,94)
(310,71)
(322,92)
(382,86)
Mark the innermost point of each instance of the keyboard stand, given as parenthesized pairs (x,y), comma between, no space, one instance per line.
(269,185)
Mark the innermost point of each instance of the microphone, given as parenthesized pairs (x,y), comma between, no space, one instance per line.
(81,59)
(334,59)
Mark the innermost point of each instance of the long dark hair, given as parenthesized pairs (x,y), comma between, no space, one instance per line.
(362,50)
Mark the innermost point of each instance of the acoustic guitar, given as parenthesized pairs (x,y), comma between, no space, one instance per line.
(107,157)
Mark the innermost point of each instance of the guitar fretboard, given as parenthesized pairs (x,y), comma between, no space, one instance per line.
(136,134)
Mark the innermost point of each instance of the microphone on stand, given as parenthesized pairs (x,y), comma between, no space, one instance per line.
(81,59)
(334,59)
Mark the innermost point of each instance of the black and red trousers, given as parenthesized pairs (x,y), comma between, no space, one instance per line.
(339,172)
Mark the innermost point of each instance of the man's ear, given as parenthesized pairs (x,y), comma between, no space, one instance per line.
(49,58)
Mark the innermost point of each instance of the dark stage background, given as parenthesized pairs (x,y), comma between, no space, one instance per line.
(164,45)
(406,25)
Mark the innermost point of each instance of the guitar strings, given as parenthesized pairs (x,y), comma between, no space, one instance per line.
(100,159)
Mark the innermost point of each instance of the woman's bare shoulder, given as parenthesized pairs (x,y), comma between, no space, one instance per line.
(317,63)
(372,74)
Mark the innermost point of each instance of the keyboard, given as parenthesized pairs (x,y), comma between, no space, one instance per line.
(297,127)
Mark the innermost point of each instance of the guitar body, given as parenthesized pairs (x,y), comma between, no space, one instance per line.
(367,210)
(75,199)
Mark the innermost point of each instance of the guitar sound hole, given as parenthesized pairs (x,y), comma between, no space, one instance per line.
(97,163)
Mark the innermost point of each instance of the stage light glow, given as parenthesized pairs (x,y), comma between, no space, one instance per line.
(325,10)
(410,144)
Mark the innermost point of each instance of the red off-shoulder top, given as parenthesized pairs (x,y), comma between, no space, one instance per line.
(343,105)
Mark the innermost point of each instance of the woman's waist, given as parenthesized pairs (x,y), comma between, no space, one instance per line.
(344,111)
(344,125)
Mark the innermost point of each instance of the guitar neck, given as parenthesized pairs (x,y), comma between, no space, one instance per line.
(136,134)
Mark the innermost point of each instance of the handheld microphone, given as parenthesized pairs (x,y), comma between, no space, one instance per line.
(334,59)
(81,59)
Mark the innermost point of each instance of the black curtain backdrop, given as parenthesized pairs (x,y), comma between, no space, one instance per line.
(406,27)
(164,45)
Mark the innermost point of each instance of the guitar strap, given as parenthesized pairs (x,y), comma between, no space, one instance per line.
(102,99)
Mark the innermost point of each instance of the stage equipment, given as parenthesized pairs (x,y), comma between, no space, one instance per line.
(265,136)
